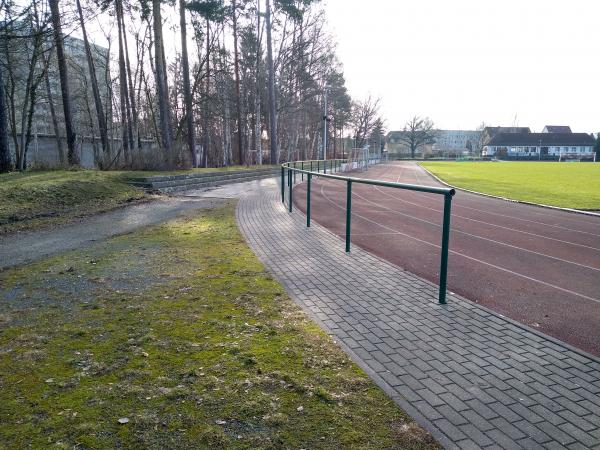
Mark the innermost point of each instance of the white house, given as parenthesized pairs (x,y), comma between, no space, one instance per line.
(547,145)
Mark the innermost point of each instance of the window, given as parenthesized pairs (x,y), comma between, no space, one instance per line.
(574,149)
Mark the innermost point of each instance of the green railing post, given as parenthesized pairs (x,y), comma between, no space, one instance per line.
(445,244)
(302,166)
(308,199)
(282,185)
(291,189)
(348,213)
(294,171)
(311,165)
(318,166)
(325,166)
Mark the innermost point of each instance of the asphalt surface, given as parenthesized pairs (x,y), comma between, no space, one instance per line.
(538,266)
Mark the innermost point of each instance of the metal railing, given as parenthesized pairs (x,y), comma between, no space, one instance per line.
(306,168)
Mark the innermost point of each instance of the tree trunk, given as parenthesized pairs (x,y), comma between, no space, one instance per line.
(161,86)
(5,157)
(206,143)
(131,100)
(238,99)
(72,154)
(95,90)
(59,145)
(126,133)
(187,91)
(272,103)
(257,124)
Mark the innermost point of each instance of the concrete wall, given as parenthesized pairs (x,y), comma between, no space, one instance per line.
(43,151)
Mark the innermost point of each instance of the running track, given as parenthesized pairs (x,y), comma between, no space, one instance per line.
(538,266)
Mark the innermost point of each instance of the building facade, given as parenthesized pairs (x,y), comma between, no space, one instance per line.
(548,145)
(455,142)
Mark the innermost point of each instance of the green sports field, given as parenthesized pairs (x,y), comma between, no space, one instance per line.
(568,185)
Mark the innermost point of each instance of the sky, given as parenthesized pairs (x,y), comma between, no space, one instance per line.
(464,62)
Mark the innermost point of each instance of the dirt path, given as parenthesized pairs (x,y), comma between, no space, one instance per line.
(21,248)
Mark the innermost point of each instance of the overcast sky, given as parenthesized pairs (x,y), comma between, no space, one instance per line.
(462,62)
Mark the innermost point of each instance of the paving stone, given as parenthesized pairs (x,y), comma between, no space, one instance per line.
(477,378)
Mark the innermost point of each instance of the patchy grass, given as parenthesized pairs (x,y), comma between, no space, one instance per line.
(568,185)
(178,329)
(36,199)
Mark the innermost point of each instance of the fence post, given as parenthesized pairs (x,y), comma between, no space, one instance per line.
(311,165)
(294,171)
(348,213)
(282,184)
(308,199)
(445,244)
(291,188)
(302,166)
(318,166)
(325,166)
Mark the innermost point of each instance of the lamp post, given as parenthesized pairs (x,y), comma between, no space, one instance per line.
(325,120)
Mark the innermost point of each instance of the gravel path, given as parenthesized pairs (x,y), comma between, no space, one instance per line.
(21,248)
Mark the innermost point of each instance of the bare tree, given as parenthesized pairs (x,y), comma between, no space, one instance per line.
(72,154)
(271,89)
(364,118)
(162,90)
(187,91)
(95,90)
(5,158)
(238,99)
(55,127)
(417,133)
(480,139)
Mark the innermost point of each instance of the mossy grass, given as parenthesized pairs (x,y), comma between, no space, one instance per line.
(178,329)
(32,200)
(565,184)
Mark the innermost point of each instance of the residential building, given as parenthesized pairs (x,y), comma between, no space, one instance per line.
(489,132)
(546,145)
(455,142)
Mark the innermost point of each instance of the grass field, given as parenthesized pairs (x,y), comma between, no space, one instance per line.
(35,199)
(568,185)
(176,337)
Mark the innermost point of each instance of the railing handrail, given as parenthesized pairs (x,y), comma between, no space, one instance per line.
(408,186)
(448,193)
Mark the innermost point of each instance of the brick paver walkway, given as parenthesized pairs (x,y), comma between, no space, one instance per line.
(469,376)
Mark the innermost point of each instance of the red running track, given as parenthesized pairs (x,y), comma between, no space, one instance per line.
(538,266)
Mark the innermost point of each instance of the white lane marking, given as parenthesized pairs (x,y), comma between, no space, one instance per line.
(480,237)
(465,256)
(486,223)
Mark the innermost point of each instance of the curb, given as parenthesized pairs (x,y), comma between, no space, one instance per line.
(523,202)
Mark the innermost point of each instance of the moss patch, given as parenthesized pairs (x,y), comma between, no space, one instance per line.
(34,199)
(179,330)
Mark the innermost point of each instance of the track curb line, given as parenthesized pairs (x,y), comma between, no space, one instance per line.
(512,200)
